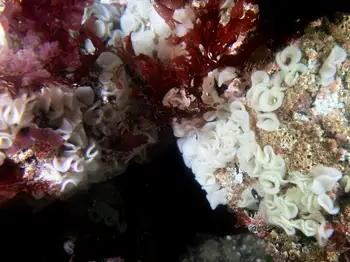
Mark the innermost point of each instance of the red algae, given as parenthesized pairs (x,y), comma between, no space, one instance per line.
(13,181)
(11,175)
(208,46)
(216,38)
(243,219)
(166,14)
(42,140)
(338,241)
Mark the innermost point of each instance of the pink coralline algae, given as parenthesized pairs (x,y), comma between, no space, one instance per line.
(41,49)
(303,103)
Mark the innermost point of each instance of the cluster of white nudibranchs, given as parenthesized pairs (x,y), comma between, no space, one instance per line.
(88,118)
(266,96)
(85,120)
(287,198)
(61,109)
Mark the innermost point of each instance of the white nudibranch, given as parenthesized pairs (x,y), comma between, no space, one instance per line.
(129,23)
(292,76)
(226,75)
(2,158)
(185,18)
(148,29)
(216,195)
(288,58)
(85,95)
(108,61)
(271,99)
(253,95)
(248,200)
(3,40)
(14,114)
(324,179)
(329,67)
(209,93)
(62,164)
(92,150)
(345,182)
(260,77)
(271,181)
(89,46)
(268,122)
(68,246)
(159,26)
(186,127)
(50,173)
(143,42)
(107,17)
